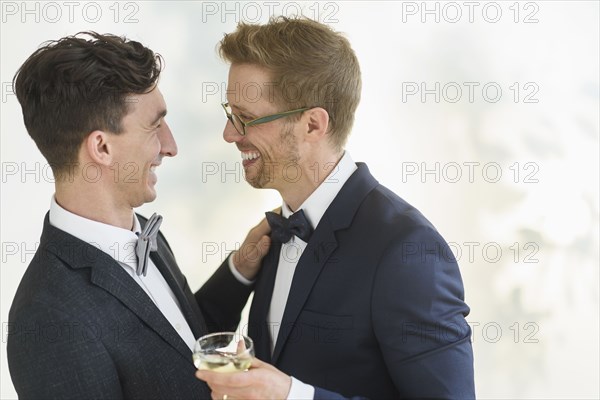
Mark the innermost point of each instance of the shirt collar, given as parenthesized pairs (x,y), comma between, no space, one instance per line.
(316,204)
(117,242)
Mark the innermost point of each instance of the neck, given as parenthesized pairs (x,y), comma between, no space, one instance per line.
(313,174)
(96,205)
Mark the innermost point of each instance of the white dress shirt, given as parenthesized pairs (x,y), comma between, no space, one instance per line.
(120,244)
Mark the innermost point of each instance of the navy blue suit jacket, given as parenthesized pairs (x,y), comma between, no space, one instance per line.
(81,328)
(376,308)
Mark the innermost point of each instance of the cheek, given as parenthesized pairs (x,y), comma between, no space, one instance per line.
(152,147)
(156,141)
(268,144)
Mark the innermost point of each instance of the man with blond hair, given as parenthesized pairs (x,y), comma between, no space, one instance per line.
(358,295)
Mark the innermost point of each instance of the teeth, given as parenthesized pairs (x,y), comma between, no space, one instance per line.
(153,168)
(250,156)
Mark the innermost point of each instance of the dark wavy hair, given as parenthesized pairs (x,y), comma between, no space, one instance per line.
(72,86)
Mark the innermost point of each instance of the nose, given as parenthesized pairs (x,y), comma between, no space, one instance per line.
(168,147)
(230,134)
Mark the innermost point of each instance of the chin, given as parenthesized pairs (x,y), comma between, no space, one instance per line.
(150,195)
(258,182)
(252,180)
(255,184)
(260,179)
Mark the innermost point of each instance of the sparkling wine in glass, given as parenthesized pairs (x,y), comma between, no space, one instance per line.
(223,352)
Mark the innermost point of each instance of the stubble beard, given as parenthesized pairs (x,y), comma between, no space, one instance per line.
(265,174)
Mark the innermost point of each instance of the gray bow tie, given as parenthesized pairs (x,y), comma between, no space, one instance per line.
(146,243)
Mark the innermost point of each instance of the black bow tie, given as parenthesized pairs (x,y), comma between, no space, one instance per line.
(282,229)
(146,243)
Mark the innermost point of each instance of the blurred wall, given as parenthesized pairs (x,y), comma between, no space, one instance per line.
(484,115)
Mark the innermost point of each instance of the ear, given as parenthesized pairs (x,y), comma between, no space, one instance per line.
(98,148)
(317,123)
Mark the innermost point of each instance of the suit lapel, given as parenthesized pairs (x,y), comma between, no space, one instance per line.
(108,274)
(186,300)
(116,282)
(258,328)
(314,257)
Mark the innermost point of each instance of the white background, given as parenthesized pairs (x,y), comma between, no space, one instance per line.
(527,240)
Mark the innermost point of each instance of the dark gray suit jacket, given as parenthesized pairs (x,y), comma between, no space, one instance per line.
(376,308)
(81,328)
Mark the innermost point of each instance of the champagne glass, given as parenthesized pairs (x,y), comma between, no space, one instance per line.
(223,352)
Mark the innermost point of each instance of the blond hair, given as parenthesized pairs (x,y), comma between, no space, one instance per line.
(310,65)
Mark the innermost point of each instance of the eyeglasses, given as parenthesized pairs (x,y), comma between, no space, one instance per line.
(240,126)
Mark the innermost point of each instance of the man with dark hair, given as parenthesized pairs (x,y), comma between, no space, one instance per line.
(103,310)
(359,294)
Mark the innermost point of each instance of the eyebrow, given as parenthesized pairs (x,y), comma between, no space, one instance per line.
(160,115)
(242,109)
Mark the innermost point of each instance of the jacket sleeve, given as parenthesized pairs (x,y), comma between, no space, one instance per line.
(53,356)
(418,313)
(222,299)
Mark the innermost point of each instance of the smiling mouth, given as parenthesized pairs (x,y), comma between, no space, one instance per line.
(155,164)
(249,157)
(153,175)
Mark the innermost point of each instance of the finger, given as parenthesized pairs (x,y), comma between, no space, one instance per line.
(241,346)
(256,363)
(244,393)
(254,253)
(221,379)
(211,378)
(263,227)
(264,244)
(202,375)
(232,393)
(220,396)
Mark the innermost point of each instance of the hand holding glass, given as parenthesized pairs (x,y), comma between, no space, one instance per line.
(223,352)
